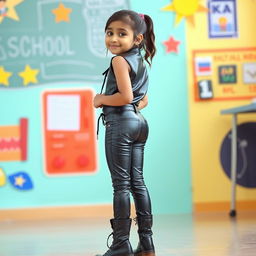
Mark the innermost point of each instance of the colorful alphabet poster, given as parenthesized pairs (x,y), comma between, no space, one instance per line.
(222,17)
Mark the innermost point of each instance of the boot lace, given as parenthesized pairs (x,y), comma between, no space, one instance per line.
(108,239)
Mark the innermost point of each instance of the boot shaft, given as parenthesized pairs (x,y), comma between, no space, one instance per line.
(145,246)
(145,224)
(121,228)
(120,244)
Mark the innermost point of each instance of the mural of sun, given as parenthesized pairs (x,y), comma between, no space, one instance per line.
(185,9)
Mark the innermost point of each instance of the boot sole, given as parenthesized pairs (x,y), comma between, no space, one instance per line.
(122,255)
(145,254)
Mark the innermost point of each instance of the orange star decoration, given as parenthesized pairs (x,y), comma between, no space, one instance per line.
(171,45)
(29,75)
(9,10)
(4,76)
(61,13)
(185,9)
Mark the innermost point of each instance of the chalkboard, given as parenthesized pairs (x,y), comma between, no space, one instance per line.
(55,50)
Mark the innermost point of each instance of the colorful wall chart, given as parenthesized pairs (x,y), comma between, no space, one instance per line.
(231,72)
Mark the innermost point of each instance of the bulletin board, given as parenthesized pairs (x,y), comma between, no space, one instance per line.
(224,74)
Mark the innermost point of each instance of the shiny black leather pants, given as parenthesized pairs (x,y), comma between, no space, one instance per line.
(125,138)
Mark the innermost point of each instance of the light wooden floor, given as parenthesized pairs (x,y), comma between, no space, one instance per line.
(208,234)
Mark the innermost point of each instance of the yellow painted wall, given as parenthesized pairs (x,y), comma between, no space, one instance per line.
(207,126)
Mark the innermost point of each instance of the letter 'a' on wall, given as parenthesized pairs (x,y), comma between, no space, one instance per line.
(69,137)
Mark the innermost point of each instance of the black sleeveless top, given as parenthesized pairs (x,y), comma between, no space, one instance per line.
(138,76)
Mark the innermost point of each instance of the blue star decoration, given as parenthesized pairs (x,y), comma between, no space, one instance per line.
(21,181)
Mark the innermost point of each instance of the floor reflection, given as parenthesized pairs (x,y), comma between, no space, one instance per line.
(206,234)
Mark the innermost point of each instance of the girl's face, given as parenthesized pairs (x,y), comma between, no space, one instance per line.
(120,37)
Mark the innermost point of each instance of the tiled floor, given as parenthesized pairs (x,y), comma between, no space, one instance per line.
(209,234)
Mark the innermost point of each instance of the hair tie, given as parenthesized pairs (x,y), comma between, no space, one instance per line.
(141,15)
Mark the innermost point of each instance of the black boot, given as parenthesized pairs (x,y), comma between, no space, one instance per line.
(145,246)
(121,245)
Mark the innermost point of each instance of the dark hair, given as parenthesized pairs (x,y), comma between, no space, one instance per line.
(140,24)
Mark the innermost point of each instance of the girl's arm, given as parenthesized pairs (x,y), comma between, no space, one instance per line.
(143,102)
(124,95)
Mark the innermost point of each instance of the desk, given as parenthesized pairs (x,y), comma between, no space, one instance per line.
(235,111)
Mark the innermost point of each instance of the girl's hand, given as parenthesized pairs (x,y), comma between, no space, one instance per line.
(97,101)
(143,102)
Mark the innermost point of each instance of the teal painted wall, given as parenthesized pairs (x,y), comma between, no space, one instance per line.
(167,161)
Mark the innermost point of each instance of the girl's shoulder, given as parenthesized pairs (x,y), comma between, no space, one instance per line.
(119,62)
(118,59)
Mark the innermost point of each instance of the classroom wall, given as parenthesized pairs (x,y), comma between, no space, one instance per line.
(167,154)
(208,128)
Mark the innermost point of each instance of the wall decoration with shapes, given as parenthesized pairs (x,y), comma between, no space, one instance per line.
(8,9)
(62,13)
(21,181)
(185,9)
(171,45)
(14,141)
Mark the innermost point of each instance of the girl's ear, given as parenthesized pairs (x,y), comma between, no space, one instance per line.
(139,38)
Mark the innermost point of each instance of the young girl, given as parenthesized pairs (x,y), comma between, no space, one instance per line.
(127,33)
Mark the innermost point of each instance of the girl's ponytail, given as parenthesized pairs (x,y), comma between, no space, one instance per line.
(149,40)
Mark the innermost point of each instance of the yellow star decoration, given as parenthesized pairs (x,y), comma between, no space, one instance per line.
(29,75)
(11,12)
(61,13)
(4,76)
(19,181)
(185,9)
